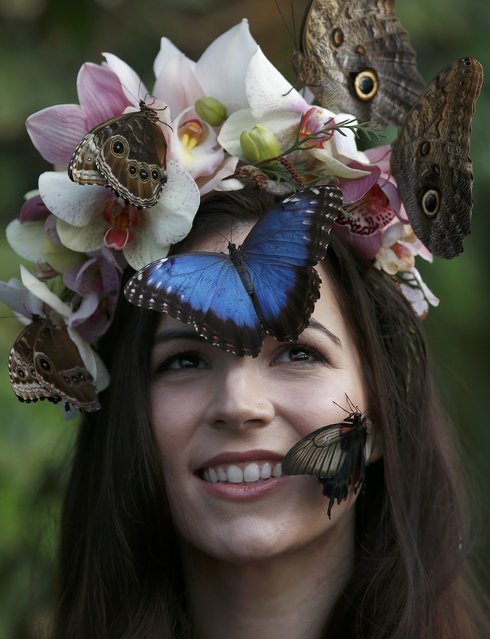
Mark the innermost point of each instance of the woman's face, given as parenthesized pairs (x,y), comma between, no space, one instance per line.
(224,423)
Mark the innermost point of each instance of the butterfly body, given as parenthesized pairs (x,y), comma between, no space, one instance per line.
(267,285)
(336,454)
(430,158)
(127,154)
(356,58)
(44,364)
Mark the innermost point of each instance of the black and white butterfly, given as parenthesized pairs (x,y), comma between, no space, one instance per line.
(266,285)
(337,454)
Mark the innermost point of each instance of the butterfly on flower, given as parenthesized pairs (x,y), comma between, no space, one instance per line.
(266,285)
(45,364)
(336,454)
(127,154)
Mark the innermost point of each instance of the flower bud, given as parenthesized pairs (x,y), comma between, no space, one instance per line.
(59,257)
(211,111)
(259,144)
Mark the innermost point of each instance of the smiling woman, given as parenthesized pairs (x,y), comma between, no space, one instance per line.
(178,521)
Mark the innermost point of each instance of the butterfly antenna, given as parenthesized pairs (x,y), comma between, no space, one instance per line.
(290,31)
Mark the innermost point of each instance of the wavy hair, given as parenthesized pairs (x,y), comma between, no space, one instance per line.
(119,565)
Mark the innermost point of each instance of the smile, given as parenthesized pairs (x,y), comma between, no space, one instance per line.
(242,473)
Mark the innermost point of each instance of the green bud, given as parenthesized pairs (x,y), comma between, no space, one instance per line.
(211,111)
(259,144)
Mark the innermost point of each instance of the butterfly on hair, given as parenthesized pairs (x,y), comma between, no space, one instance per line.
(266,285)
(337,454)
(45,364)
(126,153)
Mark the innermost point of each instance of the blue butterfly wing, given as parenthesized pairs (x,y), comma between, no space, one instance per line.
(203,289)
(280,253)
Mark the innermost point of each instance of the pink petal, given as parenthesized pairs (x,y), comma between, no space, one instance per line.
(177,86)
(353,190)
(56,131)
(117,238)
(100,93)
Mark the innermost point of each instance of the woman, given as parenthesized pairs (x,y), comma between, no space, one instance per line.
(161,535)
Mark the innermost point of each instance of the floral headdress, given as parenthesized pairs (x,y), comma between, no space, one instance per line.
(228,119)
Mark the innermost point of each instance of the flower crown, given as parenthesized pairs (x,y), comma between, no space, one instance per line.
(224,121)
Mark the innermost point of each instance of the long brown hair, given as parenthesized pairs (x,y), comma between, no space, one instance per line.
(120,574)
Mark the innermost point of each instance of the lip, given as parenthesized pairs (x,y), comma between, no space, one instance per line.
(242,492)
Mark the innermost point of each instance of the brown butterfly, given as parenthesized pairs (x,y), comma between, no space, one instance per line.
(126,153)
(356,58)
(44,363)
(430,158)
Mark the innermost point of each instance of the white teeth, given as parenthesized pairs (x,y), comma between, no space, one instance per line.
(250,472)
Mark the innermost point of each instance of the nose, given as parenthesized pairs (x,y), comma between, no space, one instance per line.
(241,399)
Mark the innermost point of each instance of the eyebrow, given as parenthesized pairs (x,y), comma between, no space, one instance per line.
(184,332)
(313,323)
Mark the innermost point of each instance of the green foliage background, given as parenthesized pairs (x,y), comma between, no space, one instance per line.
(42,45)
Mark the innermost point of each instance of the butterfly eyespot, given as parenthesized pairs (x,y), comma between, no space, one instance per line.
(155,174)
(118,147)
(20,373)
(74,379)
(337,37)
(431,203)
(366,85)
(132,169)
(44,364)
(424,148)
(360,50)
(436,169)
(144,174)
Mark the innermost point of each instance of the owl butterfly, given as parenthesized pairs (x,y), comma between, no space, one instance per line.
(44,363)
(266,285)
(356,58)
(430,158)
(336,454)
(126,153)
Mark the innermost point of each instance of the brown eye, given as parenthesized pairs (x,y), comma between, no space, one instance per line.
(366,85)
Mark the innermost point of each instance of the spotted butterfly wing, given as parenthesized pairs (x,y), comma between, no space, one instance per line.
(44,364)
(430,159)
(336,454)
(267,285)
(127,154)
(356,58)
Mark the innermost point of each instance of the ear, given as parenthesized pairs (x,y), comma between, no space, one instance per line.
(374,442)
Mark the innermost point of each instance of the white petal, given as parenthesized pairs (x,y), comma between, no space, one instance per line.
(177,85)
(40,290)
(221,180)
(85,239)
(268,90)
(27,239)
(143,250)
(222,67)
(76,204)
(167,51)
(131,83)
(335,167)
(171,218)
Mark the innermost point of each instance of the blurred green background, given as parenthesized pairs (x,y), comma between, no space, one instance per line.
(42,45)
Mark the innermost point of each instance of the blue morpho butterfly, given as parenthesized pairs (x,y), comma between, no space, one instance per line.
(266,285)
(336,454)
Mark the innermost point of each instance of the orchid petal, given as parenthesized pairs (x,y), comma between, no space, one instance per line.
(143,250)
(40,290)
(91,360)
(27,240)
(177,84)
(75,203)
(222,180)
(18,298)
(167,51)
(202,159)
(83,239)
(336,167)
(56,131)
(171,218)
(100,93)
(268,90)
(345,141)
(131,84)
(230,53)
(353,190)
(87,307)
